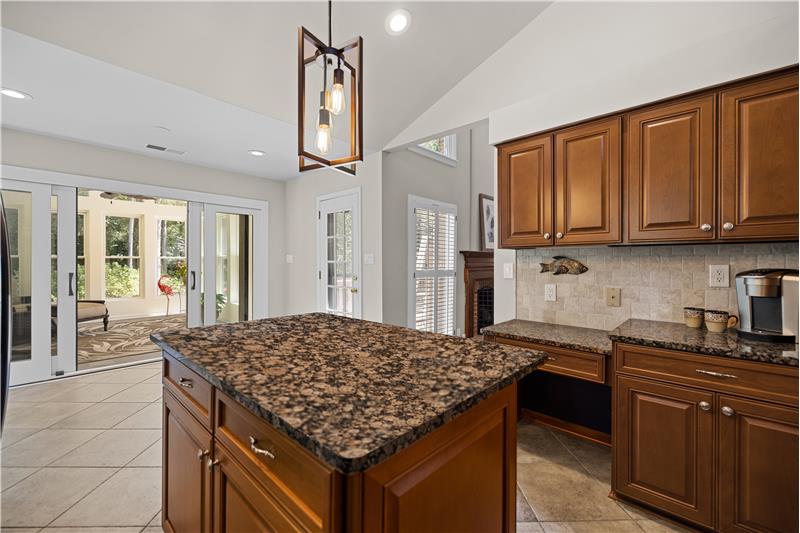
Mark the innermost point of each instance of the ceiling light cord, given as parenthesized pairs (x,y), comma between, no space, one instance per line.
(330,16)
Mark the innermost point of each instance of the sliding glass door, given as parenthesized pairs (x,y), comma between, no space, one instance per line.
(41,221)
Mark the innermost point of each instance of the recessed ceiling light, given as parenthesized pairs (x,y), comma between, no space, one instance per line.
(398,22)
(257,153)
(13,93)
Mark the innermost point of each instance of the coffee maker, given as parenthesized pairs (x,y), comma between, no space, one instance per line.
(768,303)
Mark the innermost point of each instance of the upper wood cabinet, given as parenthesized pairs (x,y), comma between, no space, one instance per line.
(670,172)
(588,179)
(758,160)
(525,192)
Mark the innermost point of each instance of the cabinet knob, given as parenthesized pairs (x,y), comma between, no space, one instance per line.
(212,463)
(728,411)
(704,406)
(705,227)
(559,235)
(201,453)
(728,226)
(547,236)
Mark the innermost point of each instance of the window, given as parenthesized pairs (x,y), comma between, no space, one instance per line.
(432,265)
(172,251)
(442,149)
(80,253)
(12,220)
(122,257)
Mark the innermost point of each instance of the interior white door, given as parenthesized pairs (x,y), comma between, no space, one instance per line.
(27,210)
(194,264)
(64,216)
(339,254)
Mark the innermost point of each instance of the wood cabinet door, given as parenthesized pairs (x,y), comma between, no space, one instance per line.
(758,160)
(588,182)
(186,491)
(757,480)
(664,447)
(525,192)
(241,505)
(670,172)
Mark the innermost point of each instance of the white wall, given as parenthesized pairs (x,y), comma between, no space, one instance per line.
(301,227)
(36,151)
(406,172)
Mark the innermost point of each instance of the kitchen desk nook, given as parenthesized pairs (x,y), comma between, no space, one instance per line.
(323,423)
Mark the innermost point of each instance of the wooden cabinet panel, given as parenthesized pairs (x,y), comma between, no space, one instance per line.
(573,363)
(525,192)
(758,464)
(670,172)
(241,505)
(588,179)
(194,392)
(664,447)
(758,160)
(186,491)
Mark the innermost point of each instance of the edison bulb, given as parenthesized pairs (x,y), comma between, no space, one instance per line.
(337,92)
(323,139)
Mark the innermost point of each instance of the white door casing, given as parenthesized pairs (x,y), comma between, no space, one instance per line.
(339,287)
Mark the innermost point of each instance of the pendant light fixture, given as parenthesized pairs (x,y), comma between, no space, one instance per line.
(334,72)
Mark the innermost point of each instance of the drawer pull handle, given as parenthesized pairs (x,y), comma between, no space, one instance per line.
(716,374)
(259,451)
(728,411)
(186,383)
(704,406)
(551,358)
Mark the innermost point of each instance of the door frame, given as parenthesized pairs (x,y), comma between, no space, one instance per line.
(357,258)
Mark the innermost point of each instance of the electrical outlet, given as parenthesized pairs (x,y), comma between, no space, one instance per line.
(613,296)
(508,270)
(719,276)
(289,258)
(550,292)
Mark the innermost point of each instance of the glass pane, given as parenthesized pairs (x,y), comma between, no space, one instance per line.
(425,230)
(122,277)
(233,267)
(331,230)
(122,236)
(80,235)
(331,273)
(81,278)
(18,206)
(424,304)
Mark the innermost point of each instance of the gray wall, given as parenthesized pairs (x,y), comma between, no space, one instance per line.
(406,172)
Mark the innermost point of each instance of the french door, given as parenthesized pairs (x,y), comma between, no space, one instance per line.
(339,254)
(41,222)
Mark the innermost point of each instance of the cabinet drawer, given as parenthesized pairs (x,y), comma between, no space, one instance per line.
(193,391)
(295,478)
(581,365)
(757,380)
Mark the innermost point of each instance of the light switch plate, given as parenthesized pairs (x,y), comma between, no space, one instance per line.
(550,292)
(719,275)
(613,296)
(289,258)
(369,259)
(508,270)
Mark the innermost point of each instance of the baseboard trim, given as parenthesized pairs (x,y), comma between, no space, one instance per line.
(570,428)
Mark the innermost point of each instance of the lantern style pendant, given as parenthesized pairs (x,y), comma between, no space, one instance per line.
(334,73)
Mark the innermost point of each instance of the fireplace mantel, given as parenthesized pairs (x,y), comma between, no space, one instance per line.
(478,274)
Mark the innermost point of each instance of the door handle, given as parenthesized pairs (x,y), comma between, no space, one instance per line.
(71,279)
(193,280)
(354,290)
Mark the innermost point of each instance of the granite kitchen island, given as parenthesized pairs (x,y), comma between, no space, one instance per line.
(323,423)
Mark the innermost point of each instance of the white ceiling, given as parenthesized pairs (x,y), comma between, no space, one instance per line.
(222,75)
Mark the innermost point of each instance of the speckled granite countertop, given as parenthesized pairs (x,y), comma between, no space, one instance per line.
(676,336)
(352,392)
(570,337)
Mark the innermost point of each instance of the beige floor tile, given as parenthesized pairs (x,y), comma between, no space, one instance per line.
(46,446)
(524,511)
(142,392)
(528,527)
(563,491)
(14,435)
(148,418)
(593,526)
(101,416)
(153,529)
(114,447)
(131,497)
(664,526)
(91,530)
(155,379)
(127,375)
(40,415)
(92,392)
(37,500)
(10,476)
(19,530)
(150,457)
(43,392)
(537,443)
(596,458)
(156,521)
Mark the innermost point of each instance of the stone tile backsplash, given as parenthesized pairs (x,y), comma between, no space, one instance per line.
(656,282)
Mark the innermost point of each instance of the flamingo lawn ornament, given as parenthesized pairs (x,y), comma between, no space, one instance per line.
(165,289)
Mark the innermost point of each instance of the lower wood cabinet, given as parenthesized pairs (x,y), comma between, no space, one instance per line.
(691,449)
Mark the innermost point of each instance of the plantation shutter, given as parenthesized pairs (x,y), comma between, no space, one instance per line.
(433,277)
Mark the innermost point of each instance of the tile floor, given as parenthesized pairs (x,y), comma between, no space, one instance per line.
(84,455)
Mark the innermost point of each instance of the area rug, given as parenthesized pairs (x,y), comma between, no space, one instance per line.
(123,338)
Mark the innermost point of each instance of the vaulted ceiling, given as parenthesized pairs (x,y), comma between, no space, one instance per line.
(222,75)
